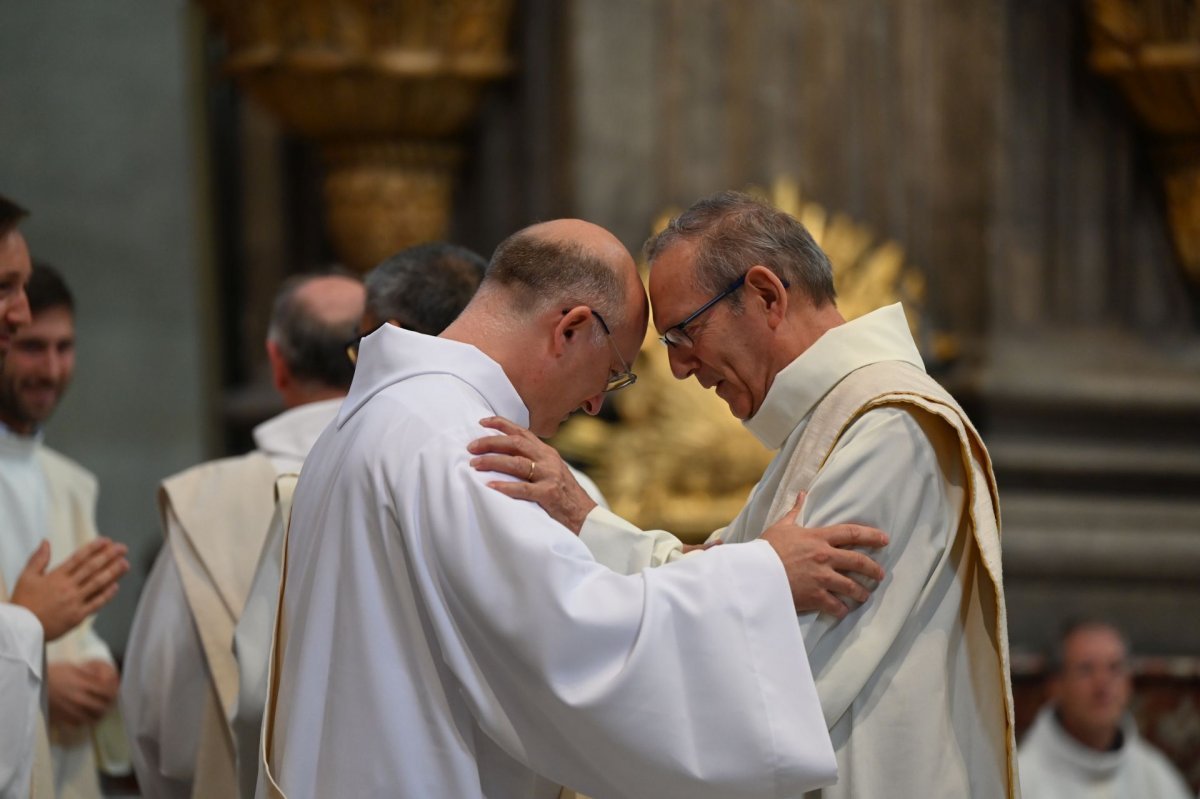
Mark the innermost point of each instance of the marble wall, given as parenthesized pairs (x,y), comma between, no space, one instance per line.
(97,139)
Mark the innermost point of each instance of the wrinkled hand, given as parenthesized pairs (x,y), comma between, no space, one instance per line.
(75,589)
(80,693)
(817,561)
(542,475)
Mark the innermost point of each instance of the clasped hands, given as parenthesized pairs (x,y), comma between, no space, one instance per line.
(819,561)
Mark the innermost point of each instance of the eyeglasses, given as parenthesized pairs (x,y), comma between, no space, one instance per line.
(675,336)
(625,377)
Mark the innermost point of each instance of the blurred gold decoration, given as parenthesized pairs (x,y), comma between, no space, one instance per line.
(678,460)
(1151,49)
(384,86)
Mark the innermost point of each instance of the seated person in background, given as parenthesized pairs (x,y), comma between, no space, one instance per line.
(1083,743)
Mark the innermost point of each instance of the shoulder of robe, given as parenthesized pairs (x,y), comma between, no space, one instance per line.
(214,480)
(67,473)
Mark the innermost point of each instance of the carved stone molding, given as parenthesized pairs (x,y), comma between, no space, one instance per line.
(384,87)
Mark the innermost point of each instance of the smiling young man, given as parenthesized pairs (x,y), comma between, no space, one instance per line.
(914,684)
(49,495)
(437,639)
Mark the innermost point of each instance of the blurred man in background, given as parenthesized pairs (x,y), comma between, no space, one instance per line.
(1084,744)
(48,495)
(180,681)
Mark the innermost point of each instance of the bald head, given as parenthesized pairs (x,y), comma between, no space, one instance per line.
(568,262)
(311,322)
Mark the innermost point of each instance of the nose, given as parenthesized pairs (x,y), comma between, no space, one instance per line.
(592,404)
(683,363)
(18,312)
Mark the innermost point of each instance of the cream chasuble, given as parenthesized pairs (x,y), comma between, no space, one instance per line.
(914,684)
(438,639)
(181,681)
(46,494)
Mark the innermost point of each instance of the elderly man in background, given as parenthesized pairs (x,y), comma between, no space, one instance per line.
(437,639)
(180,681)
(1084,744)
(45,603)
(422,289)
(47,494)
(914,685)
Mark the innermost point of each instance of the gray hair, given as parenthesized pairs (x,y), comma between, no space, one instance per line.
(542,272)
(733,232)
(313,348)
(424,288)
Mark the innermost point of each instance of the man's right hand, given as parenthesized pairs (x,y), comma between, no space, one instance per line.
(80,693)
(818,562)
(78,587)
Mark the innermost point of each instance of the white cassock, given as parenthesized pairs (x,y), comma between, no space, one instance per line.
(439,639)
(253,636)
(44,494)
(179,688)
(20,697)
(1056,766)
(914,683)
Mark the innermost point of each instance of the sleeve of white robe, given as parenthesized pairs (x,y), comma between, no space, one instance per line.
(689,680)
(164,684)
(20,694)
(625,548)
(903,476)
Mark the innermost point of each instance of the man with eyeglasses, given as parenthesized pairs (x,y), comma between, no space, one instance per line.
(914,685)
(435,638)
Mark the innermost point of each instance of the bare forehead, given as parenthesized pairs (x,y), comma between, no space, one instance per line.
(672,283)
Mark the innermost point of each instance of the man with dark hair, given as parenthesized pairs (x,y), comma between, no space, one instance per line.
(422,288)
(435,639)
(180,681)
(46,603)
(914,685)
(15,269)
(47,495)
(1084,744)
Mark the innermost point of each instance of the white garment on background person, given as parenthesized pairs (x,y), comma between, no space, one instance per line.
(1056,766)
(180,684)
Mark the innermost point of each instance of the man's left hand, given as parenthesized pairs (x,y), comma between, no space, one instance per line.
(542,475)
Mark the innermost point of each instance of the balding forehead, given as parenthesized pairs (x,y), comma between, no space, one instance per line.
(587,235)
(332,297)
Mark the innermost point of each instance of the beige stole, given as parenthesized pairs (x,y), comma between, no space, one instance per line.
(895,383)
(41,780)
(221,510)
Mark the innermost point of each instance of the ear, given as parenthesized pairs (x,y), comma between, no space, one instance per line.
(570,326)
(764,288)
(281,376)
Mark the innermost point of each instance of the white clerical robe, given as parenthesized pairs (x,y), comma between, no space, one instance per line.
(180,684)
(20,694)
(1056,766)
(917,704)
(438,639)
(47,495)
(255,629)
